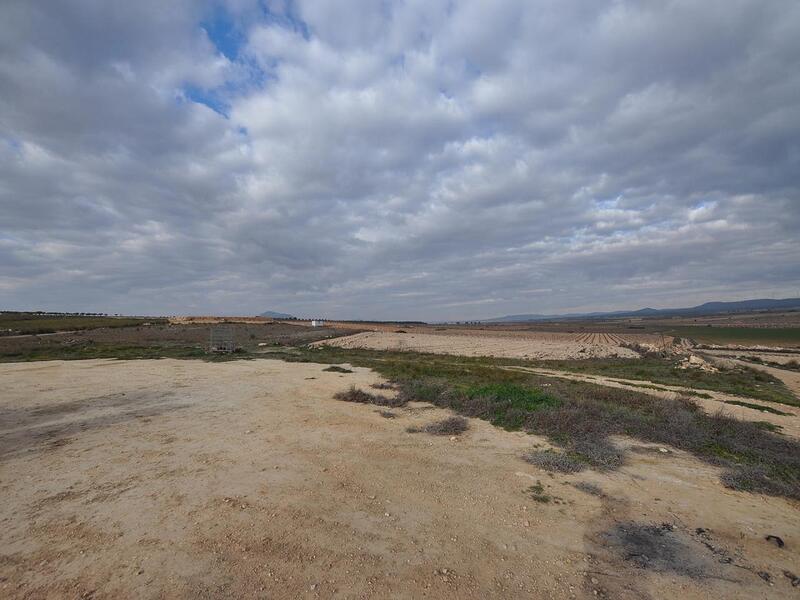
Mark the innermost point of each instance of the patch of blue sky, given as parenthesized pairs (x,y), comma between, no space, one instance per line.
(286,17)
(211,98)
(224,32)
(606,203)
(13,143)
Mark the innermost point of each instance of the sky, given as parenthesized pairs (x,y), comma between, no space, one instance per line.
(417,159)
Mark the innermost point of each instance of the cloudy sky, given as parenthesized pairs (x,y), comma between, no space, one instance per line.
(417,159)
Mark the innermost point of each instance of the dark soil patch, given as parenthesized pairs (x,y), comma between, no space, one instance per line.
(658,548)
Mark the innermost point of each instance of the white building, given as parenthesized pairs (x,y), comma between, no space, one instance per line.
(317,323)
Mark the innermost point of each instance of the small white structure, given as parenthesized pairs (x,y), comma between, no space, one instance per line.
(317,323)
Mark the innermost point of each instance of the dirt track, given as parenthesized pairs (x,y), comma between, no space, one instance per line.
(179,479)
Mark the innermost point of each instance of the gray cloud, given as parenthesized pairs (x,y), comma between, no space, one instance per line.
(397,159)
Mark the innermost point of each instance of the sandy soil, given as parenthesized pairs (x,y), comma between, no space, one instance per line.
(776,357)
(521,345)
(178,479)
(185,479)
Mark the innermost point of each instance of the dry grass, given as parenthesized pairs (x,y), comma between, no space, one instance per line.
(383,386)
(361,397)
(448,426)
(337,369)
(558,462)
(589,488)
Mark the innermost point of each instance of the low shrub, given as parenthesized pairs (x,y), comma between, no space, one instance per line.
(448,426)
(353,394)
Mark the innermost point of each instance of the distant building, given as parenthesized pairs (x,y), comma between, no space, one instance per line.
(317,323)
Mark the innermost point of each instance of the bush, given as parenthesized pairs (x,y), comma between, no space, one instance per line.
(559,462)
(355,395)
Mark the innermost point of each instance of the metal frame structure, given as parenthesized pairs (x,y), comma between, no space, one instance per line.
(222,339)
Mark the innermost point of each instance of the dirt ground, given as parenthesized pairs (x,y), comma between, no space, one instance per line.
(511,345)
(247,335)
(246,479)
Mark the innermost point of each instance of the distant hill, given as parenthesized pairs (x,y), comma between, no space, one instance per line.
(275,315)
(709,308)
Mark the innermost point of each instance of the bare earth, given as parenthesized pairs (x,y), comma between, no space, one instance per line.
(532,345)
(185,479)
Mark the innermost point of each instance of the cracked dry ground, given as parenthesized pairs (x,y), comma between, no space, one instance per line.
(184,479)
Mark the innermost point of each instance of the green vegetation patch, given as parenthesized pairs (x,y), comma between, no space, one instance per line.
(761,407)
(32,323)
(738,381)
(538,494)
(510,402)
(93,351)
(780,336)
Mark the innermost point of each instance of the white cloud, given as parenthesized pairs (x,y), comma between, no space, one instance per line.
(397,159)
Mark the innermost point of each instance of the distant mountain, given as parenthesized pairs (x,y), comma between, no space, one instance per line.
(709,308)
(275,315)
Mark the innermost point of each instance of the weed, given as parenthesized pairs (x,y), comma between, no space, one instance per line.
(383,386)
(761,407)
(337,369)
(769,426)
(448,426)
(589,488)
(353,394)
(505,404)
(537,493)
(559,462)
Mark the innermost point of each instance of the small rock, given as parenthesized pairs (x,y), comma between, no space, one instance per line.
(774,538)
(594,580)
(793,578)
(664,450)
